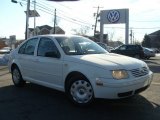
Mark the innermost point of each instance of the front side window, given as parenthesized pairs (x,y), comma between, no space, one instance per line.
(28,47)
(47,48)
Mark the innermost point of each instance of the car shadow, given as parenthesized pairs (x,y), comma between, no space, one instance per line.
(34,102)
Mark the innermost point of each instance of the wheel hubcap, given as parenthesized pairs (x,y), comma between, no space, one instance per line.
(16,76)
(81,91)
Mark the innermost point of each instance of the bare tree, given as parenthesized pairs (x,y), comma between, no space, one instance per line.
(146,41)
(111,34)
(81,31)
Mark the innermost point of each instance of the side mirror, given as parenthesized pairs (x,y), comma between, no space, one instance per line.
(54,54)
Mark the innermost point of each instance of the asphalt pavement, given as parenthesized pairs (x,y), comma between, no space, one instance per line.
(34,102)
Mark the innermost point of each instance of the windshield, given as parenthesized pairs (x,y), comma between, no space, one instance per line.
(79,46)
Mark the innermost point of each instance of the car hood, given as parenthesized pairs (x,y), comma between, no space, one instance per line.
(107,61)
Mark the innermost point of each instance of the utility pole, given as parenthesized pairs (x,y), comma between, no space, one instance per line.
(133,38)
(96,21)
(97,15)
(27,16)
(27,19)
(131,33)
(55,21)
(35,32)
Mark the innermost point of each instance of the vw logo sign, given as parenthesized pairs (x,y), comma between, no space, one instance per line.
(113,16)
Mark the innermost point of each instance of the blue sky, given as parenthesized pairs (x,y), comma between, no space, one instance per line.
(144,16)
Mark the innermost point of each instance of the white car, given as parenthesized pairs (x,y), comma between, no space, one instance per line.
(5,50)
(79,67)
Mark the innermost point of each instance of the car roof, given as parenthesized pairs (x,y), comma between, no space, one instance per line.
(101,43)
(58,35)
(132,45)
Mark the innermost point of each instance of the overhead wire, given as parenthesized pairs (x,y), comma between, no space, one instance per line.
(51,12)
(62,12)
(64,6)
(44,8)
(64,18)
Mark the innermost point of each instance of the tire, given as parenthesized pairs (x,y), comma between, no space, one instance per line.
(17,77)
(80,91)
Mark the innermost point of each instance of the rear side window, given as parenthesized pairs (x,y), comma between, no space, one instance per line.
(122,48)
(28,47)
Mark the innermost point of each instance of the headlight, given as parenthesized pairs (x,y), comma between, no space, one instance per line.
(119,74)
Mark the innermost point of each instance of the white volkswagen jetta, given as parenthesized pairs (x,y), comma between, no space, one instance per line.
(79,67)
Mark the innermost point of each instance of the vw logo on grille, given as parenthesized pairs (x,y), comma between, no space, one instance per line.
(113,16)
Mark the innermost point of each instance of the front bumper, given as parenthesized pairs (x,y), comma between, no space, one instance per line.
(121,89)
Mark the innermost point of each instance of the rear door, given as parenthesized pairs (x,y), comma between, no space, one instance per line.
(26,58)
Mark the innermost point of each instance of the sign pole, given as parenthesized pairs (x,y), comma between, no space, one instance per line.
(101,32)
(127,26)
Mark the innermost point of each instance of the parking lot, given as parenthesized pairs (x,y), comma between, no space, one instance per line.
(34,102)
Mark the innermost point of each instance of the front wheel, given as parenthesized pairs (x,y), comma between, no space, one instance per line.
(80,91)
(17,77)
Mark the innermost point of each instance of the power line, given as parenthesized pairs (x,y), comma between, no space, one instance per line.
(60,11)
(148,28)
(49,11)
(57,4)
(145,21)
(44,8)
(67,19)
(63,12)
(133,28)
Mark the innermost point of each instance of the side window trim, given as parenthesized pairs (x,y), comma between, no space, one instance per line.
(54,45)
(25,44)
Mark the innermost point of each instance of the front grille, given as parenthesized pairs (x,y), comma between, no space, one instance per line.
(139,72)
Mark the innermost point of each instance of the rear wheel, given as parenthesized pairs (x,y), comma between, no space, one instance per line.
(80,91)
(17,77)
